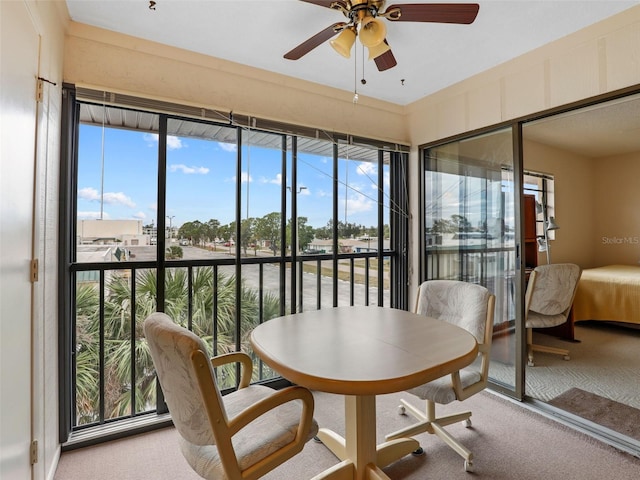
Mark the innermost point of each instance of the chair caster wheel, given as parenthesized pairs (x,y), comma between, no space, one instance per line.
(401,410)
(468,466)
(467,423)
(567,357)
(418,452)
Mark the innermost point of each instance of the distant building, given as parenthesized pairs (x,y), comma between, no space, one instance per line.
(112,232)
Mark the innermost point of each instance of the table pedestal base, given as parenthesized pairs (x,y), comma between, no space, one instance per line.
(361,458)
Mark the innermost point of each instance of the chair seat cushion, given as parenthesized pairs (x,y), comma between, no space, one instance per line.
(263,436)
(441,390)
(537,320)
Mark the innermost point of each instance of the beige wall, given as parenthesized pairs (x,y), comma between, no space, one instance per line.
(596,203)
(616,234)
(574,201)
(599,59)
(103,59)
(32,38)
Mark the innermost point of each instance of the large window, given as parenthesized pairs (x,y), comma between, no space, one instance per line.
(221,226)
(541,186)
(471,230)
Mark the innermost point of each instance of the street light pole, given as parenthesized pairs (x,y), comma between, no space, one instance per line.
(170,226)
(295,220)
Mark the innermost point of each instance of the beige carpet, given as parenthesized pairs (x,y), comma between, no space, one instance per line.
(605,362)
(509,442)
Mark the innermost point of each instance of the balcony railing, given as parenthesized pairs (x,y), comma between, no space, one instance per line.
(221,300)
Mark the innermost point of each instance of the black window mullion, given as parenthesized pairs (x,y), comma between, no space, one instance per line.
(101,349)
(366,280)
(161,405)
(215,310)
(335,224)
(352,283)
(190,297)
(294,223)
(319,284)
(238,263)
(132,339)
(380,256)
(283,227)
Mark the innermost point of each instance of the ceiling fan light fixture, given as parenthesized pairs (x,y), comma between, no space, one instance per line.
(376,51)
(343,42)
(372,31)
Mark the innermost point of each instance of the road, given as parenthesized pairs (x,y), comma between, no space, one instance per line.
(271,277)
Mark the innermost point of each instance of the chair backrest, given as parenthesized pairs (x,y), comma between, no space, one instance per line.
(173,350)
(460,303)
(469,306)
(551,288)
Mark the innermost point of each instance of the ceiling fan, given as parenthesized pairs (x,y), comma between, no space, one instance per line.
(364,20)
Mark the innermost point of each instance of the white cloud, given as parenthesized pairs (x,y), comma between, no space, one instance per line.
(173,142)
(228,147)
(140,215)
(244,178)
(112,198)
(359,204)
(189,170)
(275,181)
(118,198)
(367,168)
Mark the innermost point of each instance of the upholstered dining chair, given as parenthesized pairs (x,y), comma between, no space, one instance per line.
(239,436)
(471,307)
(548,301)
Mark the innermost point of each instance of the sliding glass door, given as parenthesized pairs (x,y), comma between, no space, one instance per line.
(472,232)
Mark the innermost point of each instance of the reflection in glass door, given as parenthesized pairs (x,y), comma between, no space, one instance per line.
(471,231)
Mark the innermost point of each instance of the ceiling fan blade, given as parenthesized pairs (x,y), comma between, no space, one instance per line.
(325,3)
(464,13)
(311,43)
(386,60)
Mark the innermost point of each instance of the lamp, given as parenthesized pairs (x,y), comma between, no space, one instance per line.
(343,42)
(548,225)
(372,31)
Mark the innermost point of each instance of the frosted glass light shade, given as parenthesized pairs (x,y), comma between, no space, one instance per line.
(343,42)
(372,32)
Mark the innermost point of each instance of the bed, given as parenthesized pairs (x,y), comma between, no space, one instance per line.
(610,293)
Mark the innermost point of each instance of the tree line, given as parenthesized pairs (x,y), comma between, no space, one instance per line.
(266,230)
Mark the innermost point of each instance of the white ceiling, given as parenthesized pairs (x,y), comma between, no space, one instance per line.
(430,56)
(598,131)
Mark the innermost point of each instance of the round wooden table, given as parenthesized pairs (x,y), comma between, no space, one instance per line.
(361,352)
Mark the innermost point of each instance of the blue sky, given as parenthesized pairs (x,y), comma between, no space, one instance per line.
(201,181)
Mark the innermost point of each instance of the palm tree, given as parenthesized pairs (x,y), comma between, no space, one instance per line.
(124,348)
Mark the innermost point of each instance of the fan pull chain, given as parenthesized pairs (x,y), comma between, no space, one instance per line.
(355,75)
(363,81)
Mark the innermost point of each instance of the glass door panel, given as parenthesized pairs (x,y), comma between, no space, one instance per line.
(470,230)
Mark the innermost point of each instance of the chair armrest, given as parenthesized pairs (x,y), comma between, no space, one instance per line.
(236,357)
(279,397)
